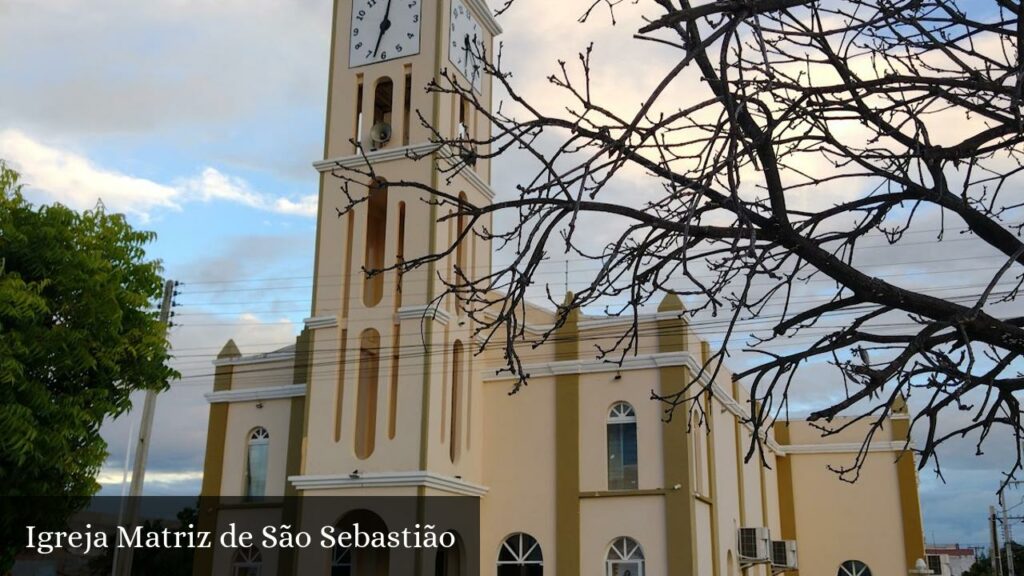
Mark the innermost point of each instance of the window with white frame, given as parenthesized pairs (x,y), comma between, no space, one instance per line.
(854,568)
(520,555)
(256,463)
(247,562)
(625,558)
(622,456)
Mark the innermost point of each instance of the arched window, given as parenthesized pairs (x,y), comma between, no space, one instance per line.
(854,568)
(520,555)
(448,561)
(247,562)
(366,561)
(366,393)
(376,233)
(341,561)
(622,447)
(256,463)
(383,104)
(383,98)
(625,558)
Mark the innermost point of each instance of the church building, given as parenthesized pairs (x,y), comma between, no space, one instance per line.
(577,474)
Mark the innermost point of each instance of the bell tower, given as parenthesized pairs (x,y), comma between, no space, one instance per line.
(391,386)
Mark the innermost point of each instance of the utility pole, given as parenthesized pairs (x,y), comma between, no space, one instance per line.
(1007,535)
(993,555)
(130,506)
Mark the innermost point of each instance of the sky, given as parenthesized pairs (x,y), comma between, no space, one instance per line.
(200,120)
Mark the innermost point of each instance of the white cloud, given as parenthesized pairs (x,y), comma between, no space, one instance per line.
(211,184)
(74,180)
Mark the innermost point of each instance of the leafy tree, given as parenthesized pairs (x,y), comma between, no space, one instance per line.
(78,335)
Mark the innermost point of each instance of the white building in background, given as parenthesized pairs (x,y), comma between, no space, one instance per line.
(951,560)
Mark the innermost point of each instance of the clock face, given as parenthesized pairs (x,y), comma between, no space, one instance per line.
(465,40)
(384,30)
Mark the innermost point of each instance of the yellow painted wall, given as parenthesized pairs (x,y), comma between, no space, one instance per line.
(519,468)
(605,519)
(838,521)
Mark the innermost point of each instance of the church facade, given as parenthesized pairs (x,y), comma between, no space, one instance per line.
(576,474)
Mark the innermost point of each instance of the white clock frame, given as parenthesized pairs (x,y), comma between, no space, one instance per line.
(462,25)
(367,45)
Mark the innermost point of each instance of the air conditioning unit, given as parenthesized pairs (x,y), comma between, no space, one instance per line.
(935,563)
(784,554)
(754,545)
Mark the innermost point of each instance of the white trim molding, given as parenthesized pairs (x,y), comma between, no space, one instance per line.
(847,448)
(482,11)
(257,394)
(468,173)
(413,151)
(607,321)
(256,358)
(588,323)
(477,182)
(418,478)
(321,322)
(421,312)
(594,365)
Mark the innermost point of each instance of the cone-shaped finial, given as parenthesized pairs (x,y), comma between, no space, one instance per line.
(899,405)
(230,350)
(573,314)
(671,303)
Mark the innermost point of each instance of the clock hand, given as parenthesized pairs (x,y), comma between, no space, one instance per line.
(384,25)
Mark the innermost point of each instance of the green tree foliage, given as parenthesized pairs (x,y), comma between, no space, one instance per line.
(77,336)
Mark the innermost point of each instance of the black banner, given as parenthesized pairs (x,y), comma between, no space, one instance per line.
(335,536)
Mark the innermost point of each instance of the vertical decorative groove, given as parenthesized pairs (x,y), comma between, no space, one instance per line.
(469,401)
(455,431)
(396,344)
(367,392)
(406,104)
(346,280)
(339,395)
(445,376)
